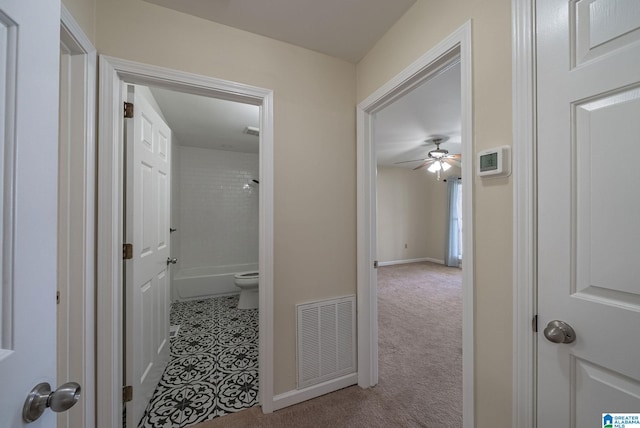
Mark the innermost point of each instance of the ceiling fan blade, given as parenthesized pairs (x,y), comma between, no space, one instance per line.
(422,165)
(414,160)
(458,156)
(454,162)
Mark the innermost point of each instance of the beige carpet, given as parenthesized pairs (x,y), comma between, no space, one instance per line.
(420,361)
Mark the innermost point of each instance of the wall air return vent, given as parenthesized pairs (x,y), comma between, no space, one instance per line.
(326,340)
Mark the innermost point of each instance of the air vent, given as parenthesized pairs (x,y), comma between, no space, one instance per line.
(326,340)
(252,130)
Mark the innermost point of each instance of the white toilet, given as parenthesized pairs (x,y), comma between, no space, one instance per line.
(248,284)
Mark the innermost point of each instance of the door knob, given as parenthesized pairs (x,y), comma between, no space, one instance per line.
(41,397)
(559,332)
(171,261)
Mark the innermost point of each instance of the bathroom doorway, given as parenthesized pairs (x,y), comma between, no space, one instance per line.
(213,156)
(116,75)
(213,366)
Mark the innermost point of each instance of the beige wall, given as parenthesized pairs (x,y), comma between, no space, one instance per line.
(315,151)
(84,12)
(422,27)
(412,210)
(314,99)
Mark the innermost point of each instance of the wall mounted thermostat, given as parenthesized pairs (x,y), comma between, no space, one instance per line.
(494,163)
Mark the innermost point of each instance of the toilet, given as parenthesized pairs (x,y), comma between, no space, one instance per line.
(248,284)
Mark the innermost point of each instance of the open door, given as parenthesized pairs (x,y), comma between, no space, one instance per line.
(147,215)
(29,55)
(588,80)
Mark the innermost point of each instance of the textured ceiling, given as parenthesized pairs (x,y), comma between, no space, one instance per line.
(433,108)
(211,123)
(345,29)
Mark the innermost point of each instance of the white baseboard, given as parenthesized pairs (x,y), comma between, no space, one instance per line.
(402,262)
(299,395)
(208,296)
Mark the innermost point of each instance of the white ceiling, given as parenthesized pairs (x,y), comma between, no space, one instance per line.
(211,123)
(346,29)
(433,108)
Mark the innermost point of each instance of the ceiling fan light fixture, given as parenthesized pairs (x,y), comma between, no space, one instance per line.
(434,167)
(445,166)
(438,153)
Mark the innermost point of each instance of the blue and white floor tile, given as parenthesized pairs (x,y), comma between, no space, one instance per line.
(214,364)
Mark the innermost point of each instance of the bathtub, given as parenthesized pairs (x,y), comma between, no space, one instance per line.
(194,283)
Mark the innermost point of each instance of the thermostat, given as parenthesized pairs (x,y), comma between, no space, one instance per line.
(495,162)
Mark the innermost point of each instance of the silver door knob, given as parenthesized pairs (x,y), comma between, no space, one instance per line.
(41,397)
(171,261)
(559,332)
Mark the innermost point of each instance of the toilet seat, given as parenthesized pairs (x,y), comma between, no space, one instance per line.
(243,275)
(248,283)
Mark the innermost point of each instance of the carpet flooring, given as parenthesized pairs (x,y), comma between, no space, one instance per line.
(420,362)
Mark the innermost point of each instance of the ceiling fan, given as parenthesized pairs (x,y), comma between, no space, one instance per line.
(437,160)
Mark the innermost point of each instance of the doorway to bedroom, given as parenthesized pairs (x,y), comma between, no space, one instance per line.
(419,227)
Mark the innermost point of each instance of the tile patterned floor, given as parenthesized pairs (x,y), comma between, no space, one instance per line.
(213,368)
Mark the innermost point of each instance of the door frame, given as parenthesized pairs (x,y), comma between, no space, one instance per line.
(456,44)
(83,133)
(524,213)
(114,73)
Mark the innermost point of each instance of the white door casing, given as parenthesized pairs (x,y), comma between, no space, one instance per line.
(456,44)
(76,219)
(524,213)
(29,57)
(113,73)
(588,80)
(147,215)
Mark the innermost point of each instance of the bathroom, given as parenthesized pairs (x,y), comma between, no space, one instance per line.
(215,214)
(214,251)
(214,187)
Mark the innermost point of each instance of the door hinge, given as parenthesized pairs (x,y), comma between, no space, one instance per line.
(375,264)
(127,251)
(57,297)
(127,393)
(534,323)
(128,110)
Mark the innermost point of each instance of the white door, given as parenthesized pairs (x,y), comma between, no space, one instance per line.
(588,80)
(148,151)
(29,50)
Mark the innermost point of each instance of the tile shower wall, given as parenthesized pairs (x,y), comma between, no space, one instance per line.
(217,216)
